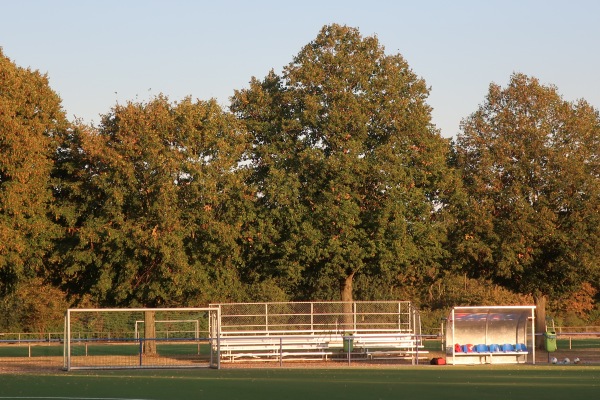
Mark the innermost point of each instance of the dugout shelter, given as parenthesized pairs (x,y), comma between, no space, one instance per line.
(490,335)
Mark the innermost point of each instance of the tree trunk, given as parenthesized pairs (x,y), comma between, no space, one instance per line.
(540,319)
(149,333)
(346,293)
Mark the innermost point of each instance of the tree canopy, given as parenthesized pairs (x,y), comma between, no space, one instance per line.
(31,117)
(350,170)
(152,204)
(327,181)
(530,166)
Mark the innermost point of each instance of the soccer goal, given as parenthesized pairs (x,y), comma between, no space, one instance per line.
(141,338)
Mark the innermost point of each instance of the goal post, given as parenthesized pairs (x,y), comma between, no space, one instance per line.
(110,338)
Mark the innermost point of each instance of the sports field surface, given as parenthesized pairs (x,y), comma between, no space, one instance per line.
(422,382)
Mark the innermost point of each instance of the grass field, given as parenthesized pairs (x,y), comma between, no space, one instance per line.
(424,382)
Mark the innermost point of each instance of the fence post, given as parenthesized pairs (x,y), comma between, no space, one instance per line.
(266,317)
(141,349)
(348,339)
(417,352)
(281,352)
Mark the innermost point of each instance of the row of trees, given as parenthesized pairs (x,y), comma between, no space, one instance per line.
(328,181)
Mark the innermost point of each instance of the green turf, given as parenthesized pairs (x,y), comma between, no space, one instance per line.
(171,349)
(576,343)
(425,382)
(36,351)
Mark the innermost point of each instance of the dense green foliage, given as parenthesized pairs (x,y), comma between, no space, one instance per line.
(530,166)
(30,119)
(352,175)
(153,203)
(326,182)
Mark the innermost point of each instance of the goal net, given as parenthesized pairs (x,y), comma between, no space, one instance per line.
(141,338)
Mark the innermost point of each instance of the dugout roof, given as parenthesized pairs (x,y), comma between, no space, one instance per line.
(491,313)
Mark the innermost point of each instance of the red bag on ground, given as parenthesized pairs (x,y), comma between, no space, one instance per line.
(438,361)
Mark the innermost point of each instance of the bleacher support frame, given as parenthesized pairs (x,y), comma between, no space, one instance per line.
(319,330)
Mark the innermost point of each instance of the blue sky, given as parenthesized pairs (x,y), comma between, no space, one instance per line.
(100,53)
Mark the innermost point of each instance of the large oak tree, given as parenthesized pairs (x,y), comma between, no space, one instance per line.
(530,165)
(31,118)
(152,204)
(350,173)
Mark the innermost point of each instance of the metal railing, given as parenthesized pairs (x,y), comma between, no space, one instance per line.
(308,317)
(18,337)
(593,329)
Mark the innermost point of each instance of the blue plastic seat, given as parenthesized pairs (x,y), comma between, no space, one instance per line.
(521,347)
(482,348)
(508,347)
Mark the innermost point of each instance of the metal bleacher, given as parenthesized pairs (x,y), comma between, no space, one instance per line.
(318,330)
